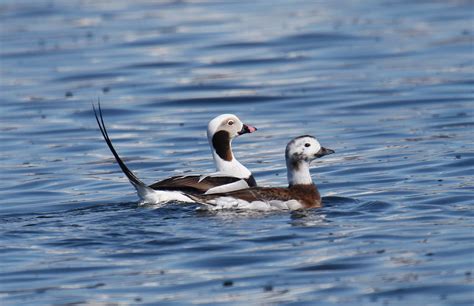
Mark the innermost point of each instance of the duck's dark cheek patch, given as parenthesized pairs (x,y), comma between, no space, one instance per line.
(295,161)
(296,165)
(221,143)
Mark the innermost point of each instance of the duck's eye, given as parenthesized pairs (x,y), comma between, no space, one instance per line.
(230,122)
(307,144)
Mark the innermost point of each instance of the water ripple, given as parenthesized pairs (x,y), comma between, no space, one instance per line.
(387,85)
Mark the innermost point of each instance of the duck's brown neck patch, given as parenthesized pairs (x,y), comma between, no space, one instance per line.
(221,144)
(307,194)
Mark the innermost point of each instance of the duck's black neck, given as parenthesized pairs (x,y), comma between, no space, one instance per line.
(221,145)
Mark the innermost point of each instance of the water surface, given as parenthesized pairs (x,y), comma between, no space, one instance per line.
(387,84)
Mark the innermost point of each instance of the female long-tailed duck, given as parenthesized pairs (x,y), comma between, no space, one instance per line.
(231,174)
(301,192)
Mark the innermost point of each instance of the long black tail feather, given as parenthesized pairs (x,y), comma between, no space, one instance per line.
(131,177)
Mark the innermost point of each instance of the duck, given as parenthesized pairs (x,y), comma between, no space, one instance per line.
(230,174)
(301,192)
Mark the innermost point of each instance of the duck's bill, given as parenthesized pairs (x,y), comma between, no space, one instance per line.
(247,129)
(324,151)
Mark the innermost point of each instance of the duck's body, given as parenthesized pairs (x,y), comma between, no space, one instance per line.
(231,175)
(300,194)
(265,198)
(197,184)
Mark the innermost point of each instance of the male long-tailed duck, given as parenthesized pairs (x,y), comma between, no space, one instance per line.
(301,192)
(231,174)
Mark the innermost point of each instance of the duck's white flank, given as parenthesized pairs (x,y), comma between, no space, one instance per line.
(223,203)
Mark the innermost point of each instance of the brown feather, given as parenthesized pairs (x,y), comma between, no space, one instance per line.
(191,183)
(308,195)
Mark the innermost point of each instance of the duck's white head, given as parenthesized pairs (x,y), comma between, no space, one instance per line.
(299,153)
(228,126)
(220,133)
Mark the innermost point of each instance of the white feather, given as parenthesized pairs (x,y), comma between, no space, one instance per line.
(234,203)
(151,196)
(238,185)
(215,174)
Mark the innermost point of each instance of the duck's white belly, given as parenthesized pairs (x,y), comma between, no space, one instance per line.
(233,203)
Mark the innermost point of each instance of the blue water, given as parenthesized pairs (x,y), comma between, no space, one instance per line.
(387,84)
